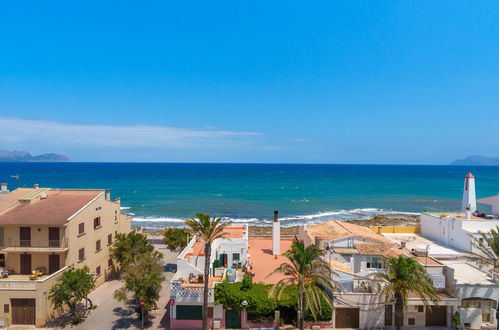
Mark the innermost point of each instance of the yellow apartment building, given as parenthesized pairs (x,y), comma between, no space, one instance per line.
(48,230)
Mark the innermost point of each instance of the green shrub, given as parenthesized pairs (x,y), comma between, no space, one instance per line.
(260,307)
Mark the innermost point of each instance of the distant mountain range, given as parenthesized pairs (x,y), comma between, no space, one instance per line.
(477,161)
(24,156)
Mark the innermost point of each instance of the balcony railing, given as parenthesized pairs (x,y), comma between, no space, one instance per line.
(23,283)
(189,293)
(35,244)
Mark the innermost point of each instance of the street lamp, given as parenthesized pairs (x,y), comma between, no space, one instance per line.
(244,304)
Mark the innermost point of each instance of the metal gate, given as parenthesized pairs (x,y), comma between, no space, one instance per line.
(232,319)
(436,316)
(347,317)
(23,311)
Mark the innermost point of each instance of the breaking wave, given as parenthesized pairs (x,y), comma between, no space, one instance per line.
(345,215)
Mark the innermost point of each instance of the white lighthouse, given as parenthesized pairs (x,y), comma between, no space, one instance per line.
(276,235)
(469,197)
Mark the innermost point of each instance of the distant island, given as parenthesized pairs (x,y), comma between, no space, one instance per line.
(24,156)
(477,161)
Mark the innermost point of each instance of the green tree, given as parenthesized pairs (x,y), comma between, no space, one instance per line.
(487,245)
(71,287)
(143,279)
(404,275)
(312,275)
(176,239)
(231,295)
(127,247)
(208,229)
(142,269)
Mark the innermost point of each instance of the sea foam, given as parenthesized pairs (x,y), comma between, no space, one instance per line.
(345,215)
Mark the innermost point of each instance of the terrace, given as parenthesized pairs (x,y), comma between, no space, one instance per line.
(23,282)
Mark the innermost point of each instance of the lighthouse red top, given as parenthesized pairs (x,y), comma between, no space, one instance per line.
(469,176)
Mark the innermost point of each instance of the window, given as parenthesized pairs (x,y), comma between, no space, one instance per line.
(210,312)
(235,257)
(6,308)
(97,223)
(98,208)
(411,321)
(97,270)
(110,263)
(97,245)
(2,260)
(115,215)
(1,236)
(109,239)
(81,228)
(374,262)
(189,312)
(350,243)
(81,254)
(419,308)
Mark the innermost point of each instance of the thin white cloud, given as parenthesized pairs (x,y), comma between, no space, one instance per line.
(15,130)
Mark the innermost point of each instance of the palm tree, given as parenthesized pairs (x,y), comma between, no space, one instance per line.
(310,273)
(487,245)
(208,229)
(404,275)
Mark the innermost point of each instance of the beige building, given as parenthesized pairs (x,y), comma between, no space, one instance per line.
(49,230)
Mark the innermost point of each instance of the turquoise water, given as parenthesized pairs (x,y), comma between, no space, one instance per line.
(163,194)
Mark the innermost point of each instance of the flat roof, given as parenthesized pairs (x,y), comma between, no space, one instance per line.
(263,262)
(418,242)
(464,273)
(456,215)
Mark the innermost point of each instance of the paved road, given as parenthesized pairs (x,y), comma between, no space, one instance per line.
(111,314)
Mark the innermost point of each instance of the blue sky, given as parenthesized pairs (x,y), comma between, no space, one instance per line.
(397,82)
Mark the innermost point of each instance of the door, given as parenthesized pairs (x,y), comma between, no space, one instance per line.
(23,311)
(54,263)
(223,259)
(25,236)
(232,319)
(54,238)
(388,315)
(347,318)
(436,316)
(25,264)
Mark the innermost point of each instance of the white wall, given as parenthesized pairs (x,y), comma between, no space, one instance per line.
(478,291)
(371,308)
(230,246)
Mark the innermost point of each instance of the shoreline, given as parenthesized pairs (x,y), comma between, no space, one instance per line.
(396,220)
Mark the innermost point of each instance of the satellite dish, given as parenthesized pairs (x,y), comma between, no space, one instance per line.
(43,195)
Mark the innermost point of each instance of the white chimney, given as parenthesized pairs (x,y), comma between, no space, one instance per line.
(469,196)
(4,187)
(276,235)
(36,186)
(107,194)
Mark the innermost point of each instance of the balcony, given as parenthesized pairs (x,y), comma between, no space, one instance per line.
(12,245)
(23,283)
(186,292)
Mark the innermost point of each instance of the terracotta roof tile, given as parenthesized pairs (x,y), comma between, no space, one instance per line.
(53,210)
(341,266)
(328,231)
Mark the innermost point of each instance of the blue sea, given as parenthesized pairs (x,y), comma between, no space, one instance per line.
(158,195)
